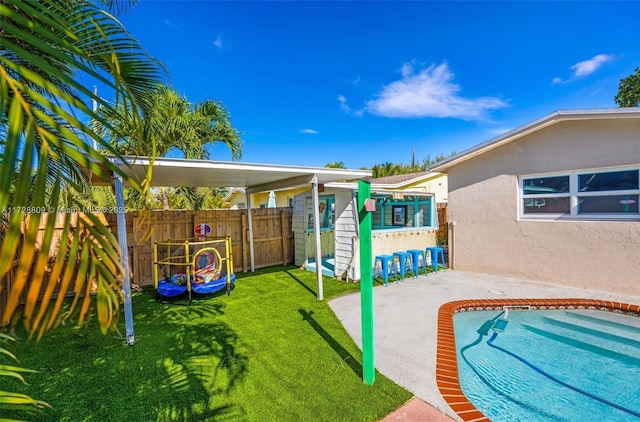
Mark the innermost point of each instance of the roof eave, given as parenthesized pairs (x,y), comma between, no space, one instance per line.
(519,132)
(430,175)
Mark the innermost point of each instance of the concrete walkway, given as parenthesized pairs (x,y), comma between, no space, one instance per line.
(405,322)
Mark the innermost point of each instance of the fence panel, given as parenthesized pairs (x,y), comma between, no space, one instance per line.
(272,235)
(273,238)
(443,223)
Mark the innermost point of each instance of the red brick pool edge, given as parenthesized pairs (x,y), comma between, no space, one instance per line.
(446,357)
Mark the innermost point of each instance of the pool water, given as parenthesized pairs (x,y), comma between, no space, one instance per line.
(550,365)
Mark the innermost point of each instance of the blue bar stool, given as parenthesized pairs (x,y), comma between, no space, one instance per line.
(403,257)
(415,255)
(385,268)
(436,251)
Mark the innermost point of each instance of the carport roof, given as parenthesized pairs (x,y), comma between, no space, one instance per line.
(255,177)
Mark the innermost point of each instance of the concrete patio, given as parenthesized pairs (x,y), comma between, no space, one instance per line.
(405,320)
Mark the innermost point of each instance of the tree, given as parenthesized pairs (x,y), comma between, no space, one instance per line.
(391,169)
(335,165)
(195,198)
(629,91)
(387,169)
(46,146)
(173,125)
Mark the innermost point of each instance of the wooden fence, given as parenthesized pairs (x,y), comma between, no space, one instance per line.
(272,236)
(443,223)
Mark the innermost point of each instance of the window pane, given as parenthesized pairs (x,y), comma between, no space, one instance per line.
(546,205)
(614,180)
(624,204)
(546,185)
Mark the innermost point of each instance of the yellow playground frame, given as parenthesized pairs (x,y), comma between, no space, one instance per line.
(183,255)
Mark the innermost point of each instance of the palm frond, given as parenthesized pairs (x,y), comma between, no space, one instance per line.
(46,144)
(15,401)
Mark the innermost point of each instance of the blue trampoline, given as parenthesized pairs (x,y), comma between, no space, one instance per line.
(203,271)
(171,290)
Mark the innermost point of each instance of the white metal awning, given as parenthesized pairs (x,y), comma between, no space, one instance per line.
(254,177)
(202,173)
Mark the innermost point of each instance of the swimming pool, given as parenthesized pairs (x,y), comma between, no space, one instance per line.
(447,379)
(543,365)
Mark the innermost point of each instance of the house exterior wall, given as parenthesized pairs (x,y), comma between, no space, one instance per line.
(346,231)
(342,234)
(345,235)
(489,237)
(282,198)
(437,185)
(298,221)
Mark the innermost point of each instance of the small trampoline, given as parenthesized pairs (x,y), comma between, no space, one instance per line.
(193,267)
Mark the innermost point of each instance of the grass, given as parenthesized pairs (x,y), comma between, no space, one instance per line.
(269,352)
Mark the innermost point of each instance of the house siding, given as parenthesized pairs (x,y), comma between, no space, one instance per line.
(489,237)
(299,229)
(345,233)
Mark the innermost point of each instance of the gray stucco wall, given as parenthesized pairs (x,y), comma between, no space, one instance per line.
(489,237)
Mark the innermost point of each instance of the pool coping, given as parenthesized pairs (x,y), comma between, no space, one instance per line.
(446,354)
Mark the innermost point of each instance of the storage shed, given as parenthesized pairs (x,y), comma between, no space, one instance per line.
(402,220)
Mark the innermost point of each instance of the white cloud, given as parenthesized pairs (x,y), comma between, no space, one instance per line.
(308,131)
(218,43)
(429,93)
(586,67)
(344,107)
(171,24)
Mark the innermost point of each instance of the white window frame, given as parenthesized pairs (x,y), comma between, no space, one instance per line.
(573,195)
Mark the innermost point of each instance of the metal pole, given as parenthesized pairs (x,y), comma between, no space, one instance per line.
(366,284)
(124,258)
(316,232)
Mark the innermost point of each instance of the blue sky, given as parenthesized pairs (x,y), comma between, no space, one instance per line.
(308,83)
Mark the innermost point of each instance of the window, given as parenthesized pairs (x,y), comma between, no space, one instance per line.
(543,195)
(399,215)
(601,194)
(326,209)
(408,211)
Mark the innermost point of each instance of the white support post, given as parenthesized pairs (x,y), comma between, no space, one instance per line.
(124,258)
(316,231)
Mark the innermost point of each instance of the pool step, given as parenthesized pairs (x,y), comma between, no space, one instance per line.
(593,332)
(605,322)
(602,351)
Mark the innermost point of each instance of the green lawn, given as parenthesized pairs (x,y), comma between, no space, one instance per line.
(269,352)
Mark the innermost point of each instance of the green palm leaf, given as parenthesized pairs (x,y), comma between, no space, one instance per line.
(47,143)
(9,400)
